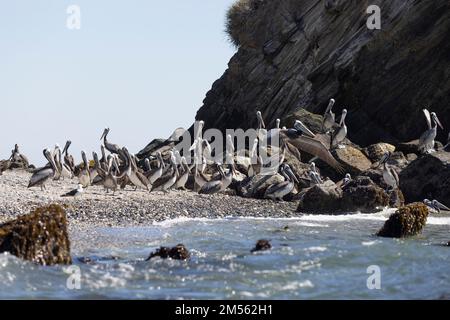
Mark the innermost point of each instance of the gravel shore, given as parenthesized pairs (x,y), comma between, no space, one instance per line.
(129,207)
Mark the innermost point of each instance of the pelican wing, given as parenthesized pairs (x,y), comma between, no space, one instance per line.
(40,176)
(316,148)
(427,117)
(275,188)
(211,187)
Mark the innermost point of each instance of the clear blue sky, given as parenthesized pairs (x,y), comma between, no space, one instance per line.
(141,67)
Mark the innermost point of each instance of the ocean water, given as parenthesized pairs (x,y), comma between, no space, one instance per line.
(319,257)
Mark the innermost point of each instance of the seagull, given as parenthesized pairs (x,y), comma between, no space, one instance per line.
(436,205)
(78,192)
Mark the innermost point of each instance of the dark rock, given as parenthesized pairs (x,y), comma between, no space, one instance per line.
(40,237)
(322,199)
(376,151)
(298,54)
(178,252)
(262,245)
(428,177)
(413,147)
(256,186)
(408,221)
(362,194)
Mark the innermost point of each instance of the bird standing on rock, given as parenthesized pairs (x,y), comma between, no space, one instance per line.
(426,141)
(341,134)
(390,176)
(436,205)
(329,118)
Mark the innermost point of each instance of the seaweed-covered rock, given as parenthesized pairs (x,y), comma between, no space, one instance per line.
(324,198)
(428,177)
(179,252)
(256,186)
(362,194)
(355,162)
(40,237)
(262,245)
(406,222)
(376,151)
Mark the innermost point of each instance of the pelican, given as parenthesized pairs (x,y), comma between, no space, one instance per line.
(256,160)
(329,118)
(261,129)
(113,148)
(156,173)
(341,133)
(216,186)
(63,169)
(301,138)
(85,176)
(168,180)
(200,179)
(68,159)
(344,182)
(110,179)
(138,179)
(426,141)
(390,176)
(280,190)
(78,192)
(181,182)
(436,205)
(104,160)
(314,175)
(41,175)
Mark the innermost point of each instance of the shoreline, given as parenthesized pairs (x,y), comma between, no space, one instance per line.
(96,208)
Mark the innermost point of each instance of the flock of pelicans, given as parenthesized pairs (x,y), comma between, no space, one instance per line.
(167,169)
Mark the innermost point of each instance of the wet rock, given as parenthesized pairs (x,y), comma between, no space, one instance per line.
(413,147)
(427,178)
(355,161)
(376,151)
(256,186)
(262,245)
(406,222)
(322,199)
(178,252)
(40,237)
(362,194)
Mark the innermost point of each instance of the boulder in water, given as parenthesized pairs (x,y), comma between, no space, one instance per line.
(408,221)
(262,245)
(40,237)
(179,252)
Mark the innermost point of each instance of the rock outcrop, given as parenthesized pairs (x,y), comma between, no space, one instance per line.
(322,199)
(427,177)
(361,194)
(406,222)
(40,237)
(256,186)
(295,54)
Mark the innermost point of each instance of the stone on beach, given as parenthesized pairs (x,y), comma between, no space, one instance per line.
(40,237)
(179,252)
(408,221)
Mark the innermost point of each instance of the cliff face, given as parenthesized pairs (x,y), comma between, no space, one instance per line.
(296,54)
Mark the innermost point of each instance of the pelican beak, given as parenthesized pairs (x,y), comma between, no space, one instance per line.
(299,126)
(66,147)
(438,122)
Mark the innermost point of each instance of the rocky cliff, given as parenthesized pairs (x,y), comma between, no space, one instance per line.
(299,53)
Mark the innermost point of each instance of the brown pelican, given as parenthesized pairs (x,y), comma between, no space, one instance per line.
(63,169)
(436,205)
(344,182)
(156,173)
(181,182)
(216,186)
(303,139)
(137,178)
(68,159)
(168,180)
(329,118)
(256,160)
(426,141)
(113,148)
(84,176)
(314,175)
(390,176)
(280,190)
(200,179)
(41,175)
(341,134)
(103,160)
(16,156)
(110,179)
(78,192)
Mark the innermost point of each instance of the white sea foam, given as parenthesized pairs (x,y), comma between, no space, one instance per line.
(316,249)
